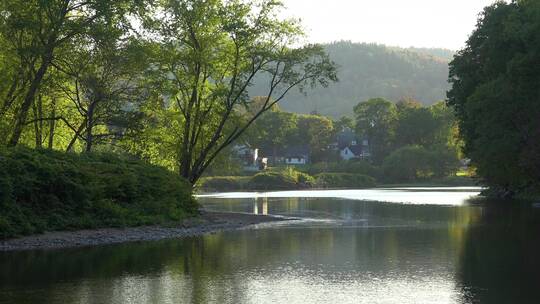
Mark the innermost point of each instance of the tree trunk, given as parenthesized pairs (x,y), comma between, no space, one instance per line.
(29,99)
(89,127)
(10,97)
(74,139)
(52,124)
(38,122)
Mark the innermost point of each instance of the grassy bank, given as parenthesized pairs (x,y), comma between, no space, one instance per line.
(450,181)
(286,179)
(296,179)
(42,190)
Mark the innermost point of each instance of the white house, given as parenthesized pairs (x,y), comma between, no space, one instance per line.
(356,151)
(247,156)
(297,155)
(347,153)
(296,160)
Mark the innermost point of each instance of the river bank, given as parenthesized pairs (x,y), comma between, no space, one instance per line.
(208,222)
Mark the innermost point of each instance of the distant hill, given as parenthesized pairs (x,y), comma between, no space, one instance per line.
(444,54)
(371,70)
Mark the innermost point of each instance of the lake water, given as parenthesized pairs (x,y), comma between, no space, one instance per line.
(412,245)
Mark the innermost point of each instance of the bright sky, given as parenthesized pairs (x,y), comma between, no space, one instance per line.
(405,23)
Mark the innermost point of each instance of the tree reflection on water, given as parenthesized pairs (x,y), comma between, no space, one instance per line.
(347,250)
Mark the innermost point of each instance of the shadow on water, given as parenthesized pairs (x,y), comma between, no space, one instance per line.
(500,261)
(404,254)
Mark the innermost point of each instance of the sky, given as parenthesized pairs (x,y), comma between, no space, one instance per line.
(404,23)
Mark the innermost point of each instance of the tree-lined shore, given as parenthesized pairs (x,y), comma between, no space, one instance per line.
(112,111)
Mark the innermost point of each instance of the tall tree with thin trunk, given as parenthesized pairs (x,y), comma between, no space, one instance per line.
(33,31)
(210,53)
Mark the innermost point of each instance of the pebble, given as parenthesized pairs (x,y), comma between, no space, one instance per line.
(211,223)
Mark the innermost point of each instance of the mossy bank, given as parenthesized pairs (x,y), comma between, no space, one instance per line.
(44,190)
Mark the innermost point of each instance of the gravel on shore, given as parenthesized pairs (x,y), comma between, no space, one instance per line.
(208,222)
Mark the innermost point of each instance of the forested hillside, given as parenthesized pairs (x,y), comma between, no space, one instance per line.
(369,70)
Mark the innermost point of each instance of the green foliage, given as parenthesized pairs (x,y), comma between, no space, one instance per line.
(272,130)
(277,130)
(351,167)
(416,125)
(223,183)
(272,181)
(206,63)
(281,179)
(285,178)
(36,36)
(46,190)
(495,95)
(344,180)
(376,119)
(411,163)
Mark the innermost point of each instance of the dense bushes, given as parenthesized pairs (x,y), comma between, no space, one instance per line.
(287,179)
(411,163)
(46,190)
(284,179)
(223,183)
(276,179)
(352,167)
(344,180)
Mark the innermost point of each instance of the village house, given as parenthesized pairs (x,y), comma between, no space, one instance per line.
(350,146)
(298,155)
(293,155)
(249,158)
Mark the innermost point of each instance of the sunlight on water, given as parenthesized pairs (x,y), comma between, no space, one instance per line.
(454,196)
(428,247)
(297,289)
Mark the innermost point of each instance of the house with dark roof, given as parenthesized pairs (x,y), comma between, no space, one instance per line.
(249,158)
(351,146)
(296,155)
(347,137)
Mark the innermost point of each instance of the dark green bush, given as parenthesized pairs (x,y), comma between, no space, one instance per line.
(272,181)
(344,180)
(223,183)
(281,179)
(351,166)
(48,190)
(411,163)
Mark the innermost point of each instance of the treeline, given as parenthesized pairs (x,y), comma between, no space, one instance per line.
(407,141)
(368,71)
(496,97)
(166,81)
(278,130)
(103,90)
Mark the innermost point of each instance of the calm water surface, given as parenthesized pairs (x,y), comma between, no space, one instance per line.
(421,245)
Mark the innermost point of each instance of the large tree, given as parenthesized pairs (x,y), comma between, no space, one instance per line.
(32,33)
(209,54)
(376,119)
(416,125)
(104,84)
(496,96)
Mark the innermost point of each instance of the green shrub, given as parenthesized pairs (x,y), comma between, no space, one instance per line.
(456,181)
(351,166)
(223,183)
(48,190)
(272,181)
(286,178)
(412,163)
(344,180)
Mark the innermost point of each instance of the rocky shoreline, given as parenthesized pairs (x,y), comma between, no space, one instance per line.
(208,222)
